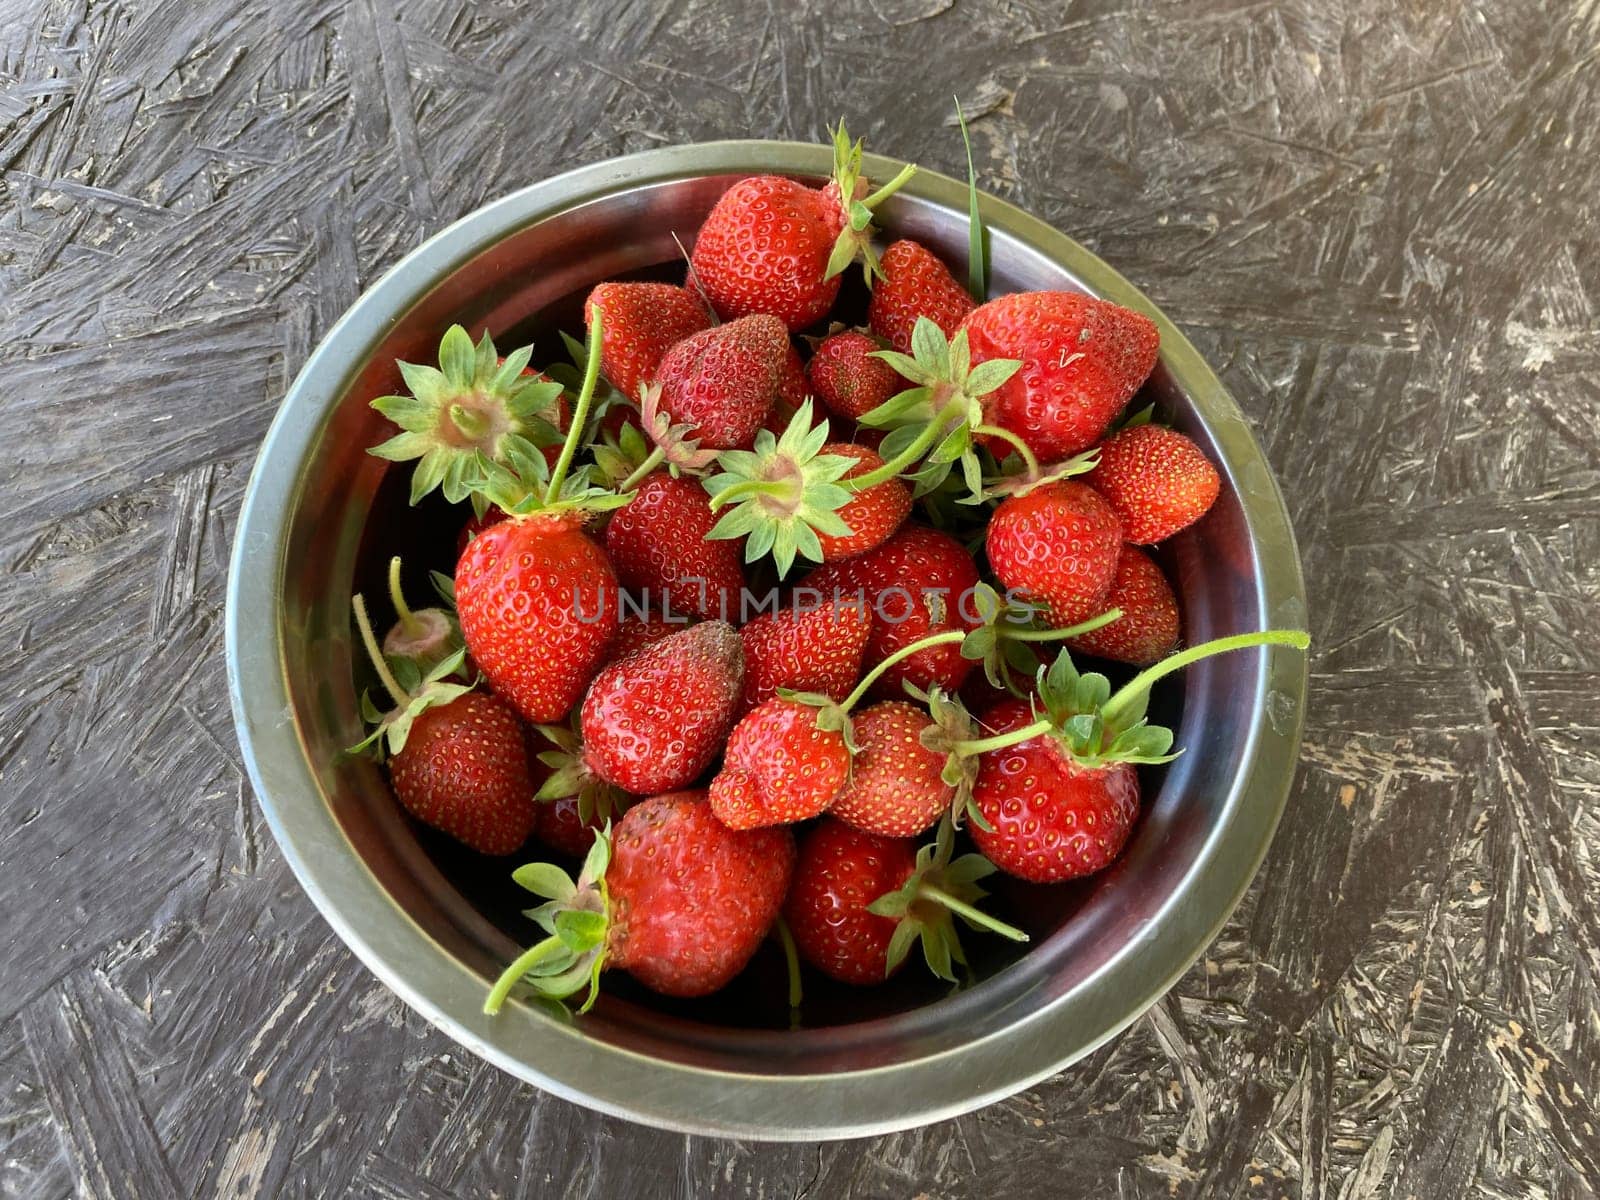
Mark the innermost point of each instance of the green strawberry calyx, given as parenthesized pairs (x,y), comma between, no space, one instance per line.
(576,915)
(938,890)
(950,726)
(571,778)
(1007,629)
(426,636)
(410,689)
(1096,727)
(855,238)
(935,420)
(472,407)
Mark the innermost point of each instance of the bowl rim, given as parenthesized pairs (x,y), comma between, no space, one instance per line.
(619,1081)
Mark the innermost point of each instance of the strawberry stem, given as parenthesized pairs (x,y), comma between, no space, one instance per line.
(519,967)
(935,429)
(976,916)
(397,597)
(781,489)
(580,411)
(905,652)
(650,463)
(890,188)
(1029,461)
(791,959)
(1055,635)
(1001,741)
(391,685)
(1145,679)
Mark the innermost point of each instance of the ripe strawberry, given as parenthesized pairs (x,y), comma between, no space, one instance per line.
(896,786)
(654,721)
(918,583)
(1057,544)
(858,901)
(808,647)
(685,903)
(643,321)
(772,245)
(915,284)
(573,801)
(793,387)
(562,826)
(538,605)
(475,525)
(1148,627)
(721,383)
(846,377)
(1156,480)
(639,630)
(873,514)
(1082,359)
(781,766)
(659,548)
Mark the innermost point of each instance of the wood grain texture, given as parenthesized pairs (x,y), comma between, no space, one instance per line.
(1378,220)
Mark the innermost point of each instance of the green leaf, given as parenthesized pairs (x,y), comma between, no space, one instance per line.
(580,929)
(900,943)
(457,358)
(990,374)
(930,347)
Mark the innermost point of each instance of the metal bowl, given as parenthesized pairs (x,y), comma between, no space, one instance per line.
(321,515)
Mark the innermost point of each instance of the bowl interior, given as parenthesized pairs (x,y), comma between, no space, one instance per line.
(350,513)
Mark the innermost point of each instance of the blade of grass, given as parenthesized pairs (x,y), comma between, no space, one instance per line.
(977,267)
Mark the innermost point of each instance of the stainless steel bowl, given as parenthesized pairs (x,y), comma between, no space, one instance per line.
(321,515)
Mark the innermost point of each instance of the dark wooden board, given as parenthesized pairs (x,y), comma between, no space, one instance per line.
(1378,220)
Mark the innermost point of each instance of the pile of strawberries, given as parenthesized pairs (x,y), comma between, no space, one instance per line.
(738,625)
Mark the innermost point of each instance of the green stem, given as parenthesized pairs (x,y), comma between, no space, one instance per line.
(397,596)
(523,963)
(893,186)
(1147,678)
(935,429)
(650,463)
(470,424)
(752,487)
(1055,635)
(580,411)
(791,958)
(1001,741)
(976,916)
(391,685)
(900,655)
(1029,461)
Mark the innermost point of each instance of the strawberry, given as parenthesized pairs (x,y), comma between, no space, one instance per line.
(873,514)
(573,800)
(1082,359)
(643,321)
(896,786)
(918,583)
(654,721)
(915,284)
(457,759)
(1057,794)
(538,604)
(721,383)
(810,647)
(1148,627)
(781,766)
(858,901)
(772,245)
(673,897)
(1058,545)
(561,825)
(1156,480)
(641,629)
(793,385)
(659,548)
(847,378)
(475,525)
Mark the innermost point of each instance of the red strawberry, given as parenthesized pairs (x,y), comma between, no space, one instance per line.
(1058,545)
(858,901)
(872,514)
(655,720)
(1148,627)
(640,630)
(1156,480)
(846,378)
(771,245)
(721,383)
(915,284)
(896,786)
(793,387)
(1082,359)
(561,825)
(806,646)
(685,904)
(476,525)
(780,767)
(659,548)
(643,321)
(464,770)
(538,604)
(920,582)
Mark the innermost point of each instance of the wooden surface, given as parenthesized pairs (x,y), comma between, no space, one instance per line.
(1378,220)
